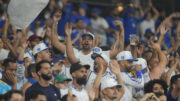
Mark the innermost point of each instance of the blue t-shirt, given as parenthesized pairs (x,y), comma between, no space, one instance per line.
(52,93)
(170,98)
(110,20)
(130,23)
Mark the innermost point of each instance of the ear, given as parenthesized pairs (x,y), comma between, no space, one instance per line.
(3,68)
(73,74)
(38,73)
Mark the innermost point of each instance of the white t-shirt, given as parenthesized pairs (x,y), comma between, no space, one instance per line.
(81,95)
(99,22)
(130,83)
(66,71)
(147,25)
(86,59)
(139,92)
(92,76)
(3,54)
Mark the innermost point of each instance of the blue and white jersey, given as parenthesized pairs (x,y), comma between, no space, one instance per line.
(92,76)
(131,82)
(81,95)
(138,93)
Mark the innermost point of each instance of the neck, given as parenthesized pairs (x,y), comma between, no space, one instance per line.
(77,85)
(43,82)
(38,60)
(174,93)
(86,51)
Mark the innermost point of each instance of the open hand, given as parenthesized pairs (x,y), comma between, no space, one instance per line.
(68,29)
(114,67)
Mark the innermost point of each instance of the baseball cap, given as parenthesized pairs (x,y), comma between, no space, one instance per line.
(97,52)
(61,78)
(97,11)
(33,37)
(142,62)
(125,55)
(108,82)
(39,47)
(88,34)
(77,66)
(84,6)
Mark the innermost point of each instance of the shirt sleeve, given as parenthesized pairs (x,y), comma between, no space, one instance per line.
(137,82)
(20,74)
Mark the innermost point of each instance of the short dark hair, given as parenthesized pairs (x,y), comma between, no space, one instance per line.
(7,96)
(64,98)
(31,68)
(148,88)
(34,94)
(7,61)
(38,65)
(174,79)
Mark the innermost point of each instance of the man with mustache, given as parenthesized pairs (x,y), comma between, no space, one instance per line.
(79,74)
(44,72)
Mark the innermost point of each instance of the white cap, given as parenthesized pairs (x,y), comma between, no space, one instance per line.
(108,82)
(142,62)
(98,52)
(88,34)
(125,55)
(39,47)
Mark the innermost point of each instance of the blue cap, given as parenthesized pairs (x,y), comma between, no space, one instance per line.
(97,11)
(148,31)
(84,6)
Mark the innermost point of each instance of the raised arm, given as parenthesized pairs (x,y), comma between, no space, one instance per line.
(167,75)
(69,47)
(163,31)
(116,70)
(155,11)
(120,40)
(97,81)
(157,71)
(54,36)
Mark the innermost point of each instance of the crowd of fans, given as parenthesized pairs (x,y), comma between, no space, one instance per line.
(65,55)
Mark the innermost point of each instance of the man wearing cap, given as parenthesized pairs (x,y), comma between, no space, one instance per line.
(34,40)
(79,74)
(125,60)
(84,55)
(43,70)
(138,93)
(61,81)
(108,82)
(110,90)
(41,52)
